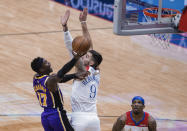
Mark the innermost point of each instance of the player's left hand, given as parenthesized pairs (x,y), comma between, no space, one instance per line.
(82,75)
(83,15)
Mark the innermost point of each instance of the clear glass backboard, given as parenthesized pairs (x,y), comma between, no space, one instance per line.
(135,17)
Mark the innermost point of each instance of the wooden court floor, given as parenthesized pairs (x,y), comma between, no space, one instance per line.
(31,28)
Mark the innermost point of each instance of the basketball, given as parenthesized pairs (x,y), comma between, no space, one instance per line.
(80,45)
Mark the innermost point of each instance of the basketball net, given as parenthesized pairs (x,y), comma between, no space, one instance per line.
(151,14)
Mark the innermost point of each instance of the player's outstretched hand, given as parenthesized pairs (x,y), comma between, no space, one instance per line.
(83,15)
(64,19)
(82,75)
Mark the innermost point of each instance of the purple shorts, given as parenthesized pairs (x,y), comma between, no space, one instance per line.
(55,120)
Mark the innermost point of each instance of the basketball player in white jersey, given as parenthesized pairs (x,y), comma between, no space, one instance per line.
(84,92)
(135,120)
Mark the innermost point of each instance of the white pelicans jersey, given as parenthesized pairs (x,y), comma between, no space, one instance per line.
(84,92)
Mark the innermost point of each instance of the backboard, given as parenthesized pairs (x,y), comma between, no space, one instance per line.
(135,17)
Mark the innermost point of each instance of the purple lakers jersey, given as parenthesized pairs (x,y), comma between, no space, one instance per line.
(46,98)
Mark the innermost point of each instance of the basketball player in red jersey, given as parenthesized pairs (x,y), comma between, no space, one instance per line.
(136,119)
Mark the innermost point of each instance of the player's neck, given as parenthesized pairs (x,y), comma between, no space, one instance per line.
(41,74)
(138,116)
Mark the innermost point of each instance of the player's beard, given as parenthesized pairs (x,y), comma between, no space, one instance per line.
(86,63)
(136,112)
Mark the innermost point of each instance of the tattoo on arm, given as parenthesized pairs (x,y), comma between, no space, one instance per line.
(120,123)
(152,124)
(68,78)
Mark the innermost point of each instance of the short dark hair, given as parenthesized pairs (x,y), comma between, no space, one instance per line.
(36,64)
(97,57)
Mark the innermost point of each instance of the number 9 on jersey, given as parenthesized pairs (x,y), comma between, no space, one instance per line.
(92,91)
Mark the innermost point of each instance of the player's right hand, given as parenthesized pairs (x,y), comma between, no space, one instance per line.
(76,55)
(83,15)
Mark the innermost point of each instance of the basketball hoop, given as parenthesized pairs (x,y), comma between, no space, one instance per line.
(166,12)
(151,15)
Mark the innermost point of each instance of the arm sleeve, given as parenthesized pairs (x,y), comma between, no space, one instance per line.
(66,68)
(68,42)
(68,78)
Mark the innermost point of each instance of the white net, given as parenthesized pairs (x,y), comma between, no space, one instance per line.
(160,40)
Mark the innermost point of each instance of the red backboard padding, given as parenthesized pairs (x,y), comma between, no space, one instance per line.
(183,21)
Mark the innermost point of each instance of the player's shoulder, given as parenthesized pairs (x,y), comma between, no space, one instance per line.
(34,76)
(52,75)
(122,118)
(147,114)
(93,70)
(151,119)
(40,77)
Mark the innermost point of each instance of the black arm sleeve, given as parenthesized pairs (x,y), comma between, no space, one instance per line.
(66,68)
(68,77)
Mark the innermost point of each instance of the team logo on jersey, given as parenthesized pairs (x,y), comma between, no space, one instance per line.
(130,123)
(142,125)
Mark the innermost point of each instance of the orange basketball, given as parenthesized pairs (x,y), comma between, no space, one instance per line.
(80,45)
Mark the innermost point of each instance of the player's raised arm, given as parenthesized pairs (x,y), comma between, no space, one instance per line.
(82,19)
(151,124)
(64,20)
(56,78)
(67,36)
(78,75)
(120,123)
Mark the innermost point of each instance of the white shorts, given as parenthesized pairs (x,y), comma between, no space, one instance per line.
(85,121)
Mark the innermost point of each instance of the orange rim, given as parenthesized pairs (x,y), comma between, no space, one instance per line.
(163,15)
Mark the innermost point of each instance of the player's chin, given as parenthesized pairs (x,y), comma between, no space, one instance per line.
(86,64)
(136,111)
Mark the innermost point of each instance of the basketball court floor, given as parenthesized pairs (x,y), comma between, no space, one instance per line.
(133,65)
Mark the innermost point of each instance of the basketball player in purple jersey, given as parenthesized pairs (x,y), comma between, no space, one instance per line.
(49,95)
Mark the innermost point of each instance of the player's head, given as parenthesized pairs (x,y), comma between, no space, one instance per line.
(92,58)
(137,104)
(41,66)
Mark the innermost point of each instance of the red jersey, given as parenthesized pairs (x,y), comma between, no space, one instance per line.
(132,125)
